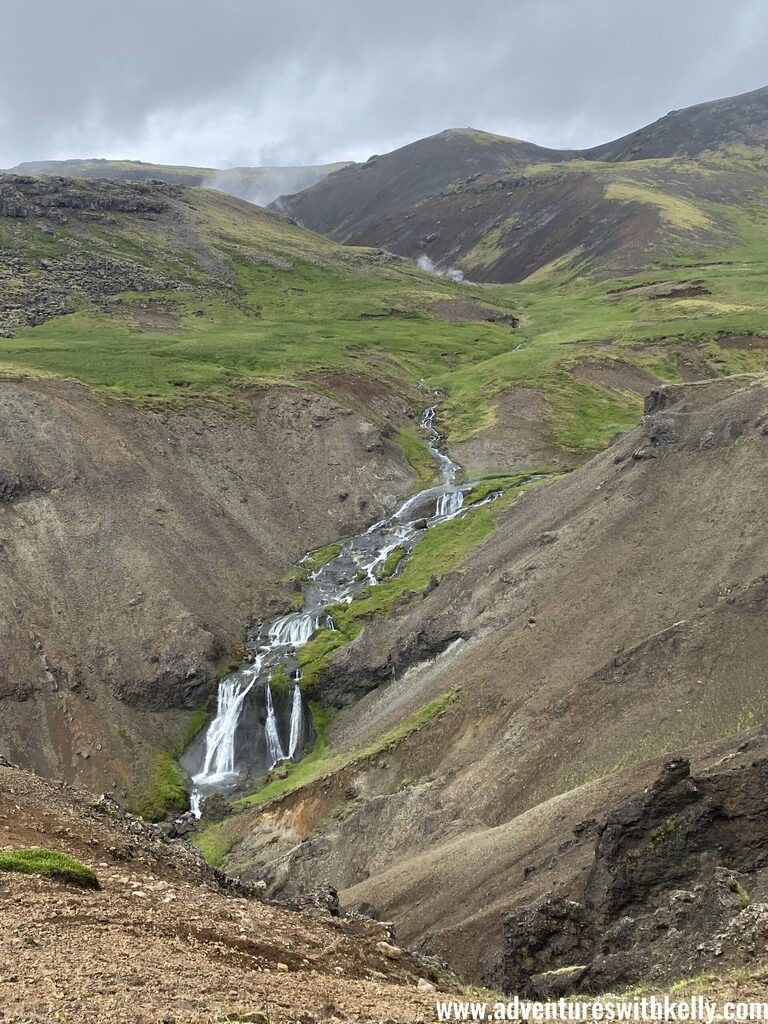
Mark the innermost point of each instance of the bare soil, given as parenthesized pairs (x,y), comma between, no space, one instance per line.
(165,939)
(519,437)
(616,374)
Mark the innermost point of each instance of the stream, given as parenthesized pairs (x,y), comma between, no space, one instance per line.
(258,725)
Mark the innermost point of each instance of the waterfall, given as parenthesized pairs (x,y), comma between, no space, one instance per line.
(297,720)
(427,418)
(213,762)
(219,759)
(274,747)
(292,630)
(448,504)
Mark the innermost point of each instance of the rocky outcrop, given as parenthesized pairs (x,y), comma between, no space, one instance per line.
(671,889)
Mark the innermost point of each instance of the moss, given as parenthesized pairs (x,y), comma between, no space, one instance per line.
(165,792)
(392,561)
(279,682)
(418,457)
(736,890)
(212,841)
(314,656)
(319,557)
(297,575)
(295,604)
(50,864)
(230,660)
(488,485)
(677,212)
(197,721)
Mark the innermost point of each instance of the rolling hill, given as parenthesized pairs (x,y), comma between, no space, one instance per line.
(196,392)
(499,210)
(258,185)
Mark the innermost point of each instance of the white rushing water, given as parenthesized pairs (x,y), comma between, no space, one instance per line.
(274,748)
(297,720)
(219,761)
(237,743)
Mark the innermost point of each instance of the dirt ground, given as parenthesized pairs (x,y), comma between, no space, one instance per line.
(162,940)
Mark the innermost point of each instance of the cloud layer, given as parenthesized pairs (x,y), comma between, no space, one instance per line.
(236,82)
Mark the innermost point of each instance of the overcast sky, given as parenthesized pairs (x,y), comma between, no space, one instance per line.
(232,82)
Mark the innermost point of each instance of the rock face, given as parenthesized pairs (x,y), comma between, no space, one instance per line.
(73,273)
(672,887)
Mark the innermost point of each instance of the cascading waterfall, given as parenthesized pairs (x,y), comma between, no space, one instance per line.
(448,504)
(274,748)
(220,741)
(297,720)
(241,739)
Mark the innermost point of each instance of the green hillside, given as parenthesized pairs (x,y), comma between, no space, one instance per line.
(160,293)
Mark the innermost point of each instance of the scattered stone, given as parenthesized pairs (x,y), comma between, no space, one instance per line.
(389,951)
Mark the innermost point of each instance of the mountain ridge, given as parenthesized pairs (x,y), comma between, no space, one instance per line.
(467,201)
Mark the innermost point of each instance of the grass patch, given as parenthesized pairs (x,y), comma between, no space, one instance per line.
(319,557)
(391,562)
(677,212)
(49,864)
(318,764)
(165,792)
(417,456)
(212,841)
(279,682)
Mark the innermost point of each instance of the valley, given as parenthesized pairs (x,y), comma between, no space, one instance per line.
(394,554)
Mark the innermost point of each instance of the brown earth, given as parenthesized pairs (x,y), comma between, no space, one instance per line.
(138,544)
(517,439)
(462,310)
(615,619)
(616,374)
(166,938)
(381,397)
(747,341)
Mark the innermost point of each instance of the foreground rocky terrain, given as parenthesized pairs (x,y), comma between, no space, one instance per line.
(165,938)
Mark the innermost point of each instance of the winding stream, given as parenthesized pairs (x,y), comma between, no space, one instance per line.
(257,725)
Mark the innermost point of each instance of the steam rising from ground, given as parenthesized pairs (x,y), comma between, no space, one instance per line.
(452,273)
(262,185)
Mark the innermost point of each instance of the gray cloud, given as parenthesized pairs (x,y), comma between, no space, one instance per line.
(235,82)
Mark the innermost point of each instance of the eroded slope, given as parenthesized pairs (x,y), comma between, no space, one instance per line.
(613,619)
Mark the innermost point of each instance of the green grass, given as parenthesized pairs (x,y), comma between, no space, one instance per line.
(286,322)
(279,682)
(321,763)
(212,841)
(391,562)
(49,864)
(442,548)
(319,557)
(415,450)
(165,791)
